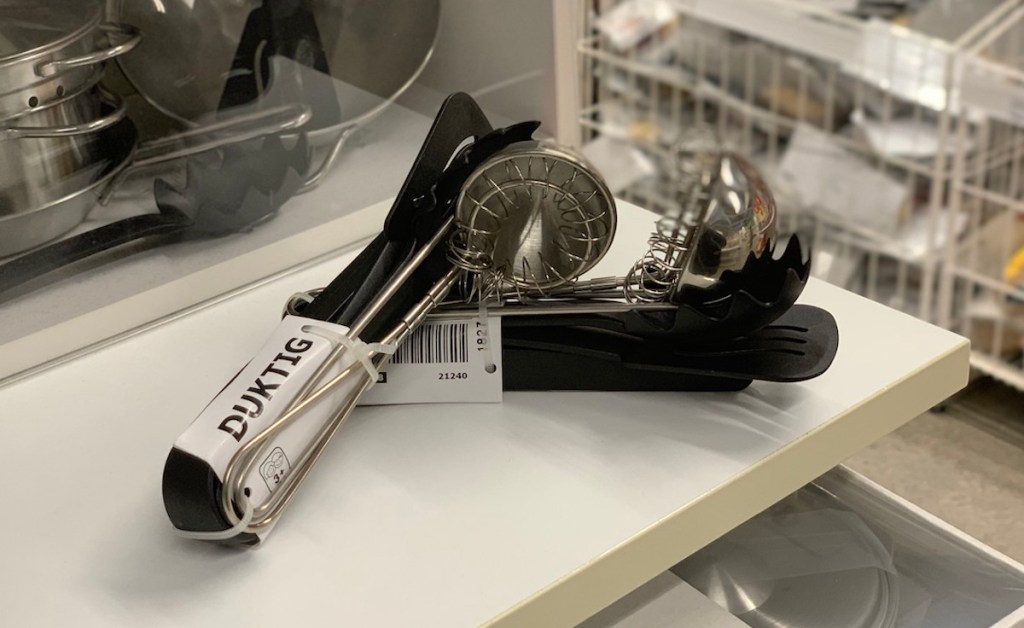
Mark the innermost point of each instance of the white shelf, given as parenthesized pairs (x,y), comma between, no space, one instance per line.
(867,48)
(536,512)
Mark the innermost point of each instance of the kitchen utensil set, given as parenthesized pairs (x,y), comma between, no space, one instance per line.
(503,225)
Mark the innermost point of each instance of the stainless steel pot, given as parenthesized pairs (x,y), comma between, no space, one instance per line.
(50,49)
(74,197)
(69,199)
(61,141)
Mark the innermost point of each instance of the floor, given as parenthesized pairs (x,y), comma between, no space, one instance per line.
(964,464)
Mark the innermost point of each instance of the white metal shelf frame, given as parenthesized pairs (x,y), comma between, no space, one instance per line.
(734,69)
(988,188)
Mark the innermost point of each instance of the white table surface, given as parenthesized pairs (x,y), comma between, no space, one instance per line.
(537,512)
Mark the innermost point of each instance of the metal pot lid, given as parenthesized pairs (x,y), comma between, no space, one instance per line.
(803,562)
(30,27)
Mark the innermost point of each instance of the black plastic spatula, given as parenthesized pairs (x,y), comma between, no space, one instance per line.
(799,345)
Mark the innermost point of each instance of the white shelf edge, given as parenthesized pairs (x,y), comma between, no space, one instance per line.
(614,574)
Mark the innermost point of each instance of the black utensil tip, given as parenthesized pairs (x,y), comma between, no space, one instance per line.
(196,510)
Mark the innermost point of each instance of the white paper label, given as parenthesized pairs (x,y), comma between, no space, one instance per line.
(260,394)
(444,361)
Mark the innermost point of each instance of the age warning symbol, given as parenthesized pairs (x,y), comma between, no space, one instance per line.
(274,468)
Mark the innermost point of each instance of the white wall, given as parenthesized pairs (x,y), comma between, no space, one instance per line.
(499,51)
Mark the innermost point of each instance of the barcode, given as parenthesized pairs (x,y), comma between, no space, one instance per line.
(435,343)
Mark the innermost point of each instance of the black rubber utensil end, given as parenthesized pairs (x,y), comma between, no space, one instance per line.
(192,510)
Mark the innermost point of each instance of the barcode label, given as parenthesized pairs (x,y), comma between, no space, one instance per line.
(451,361)
(435,343)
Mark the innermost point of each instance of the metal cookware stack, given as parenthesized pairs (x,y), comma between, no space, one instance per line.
(235,107)
(57,125)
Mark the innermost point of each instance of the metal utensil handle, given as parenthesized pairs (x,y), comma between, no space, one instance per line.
(268,512)
(131,36)
(237,129)
(314,178)
(83,128)
(244,460)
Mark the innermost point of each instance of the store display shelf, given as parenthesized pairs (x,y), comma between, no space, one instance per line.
(981,279)
(1009,374)
(990,86)
(870,48)
(875,102)
(809,28)
(537,511)
(766,120)
(997,338)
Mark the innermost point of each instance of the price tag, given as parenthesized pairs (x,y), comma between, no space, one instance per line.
(444,361)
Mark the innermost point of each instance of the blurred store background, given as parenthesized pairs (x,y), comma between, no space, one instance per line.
(891,134)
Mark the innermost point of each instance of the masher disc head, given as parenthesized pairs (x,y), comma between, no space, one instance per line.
(535,215)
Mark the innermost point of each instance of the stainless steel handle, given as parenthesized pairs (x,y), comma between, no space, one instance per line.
(130,38)
(231,131)
(237,129)
(119,113)
(314,178)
